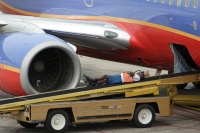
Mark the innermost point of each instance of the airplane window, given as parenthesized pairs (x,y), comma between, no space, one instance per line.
(187,2)
(178,2)
(195,4)
(88,3)
(195,25)
(162,1)
(170,1)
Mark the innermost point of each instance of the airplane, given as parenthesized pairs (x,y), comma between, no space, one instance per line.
(37,52)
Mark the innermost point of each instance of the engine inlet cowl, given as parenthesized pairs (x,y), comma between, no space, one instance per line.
(34,63)
(50,66)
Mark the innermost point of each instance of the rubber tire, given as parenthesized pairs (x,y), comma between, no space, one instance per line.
(50,115)
(138,110)
(28,125)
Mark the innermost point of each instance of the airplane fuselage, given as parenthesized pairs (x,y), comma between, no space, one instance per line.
(152,25)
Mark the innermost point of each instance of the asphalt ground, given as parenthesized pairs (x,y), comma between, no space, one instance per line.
(182,121)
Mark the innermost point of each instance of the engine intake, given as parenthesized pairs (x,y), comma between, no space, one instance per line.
(46,63)
(48,67)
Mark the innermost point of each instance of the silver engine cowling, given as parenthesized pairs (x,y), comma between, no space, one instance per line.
(45,63)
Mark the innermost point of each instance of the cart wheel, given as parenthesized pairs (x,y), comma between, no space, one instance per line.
(28,125)
(144,116)
(57,121)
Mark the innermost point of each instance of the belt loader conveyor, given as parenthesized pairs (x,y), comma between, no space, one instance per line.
(148,86)
(81,106)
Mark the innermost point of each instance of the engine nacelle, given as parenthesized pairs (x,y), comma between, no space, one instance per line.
(32,63)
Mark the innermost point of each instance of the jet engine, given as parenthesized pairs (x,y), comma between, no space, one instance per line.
(31,63)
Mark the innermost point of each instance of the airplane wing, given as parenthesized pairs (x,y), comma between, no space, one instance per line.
(37,54)
(90,34)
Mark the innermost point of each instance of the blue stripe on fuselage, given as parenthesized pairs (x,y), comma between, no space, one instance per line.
(170,15)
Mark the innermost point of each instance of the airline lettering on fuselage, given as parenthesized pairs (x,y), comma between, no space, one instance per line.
(88,3)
